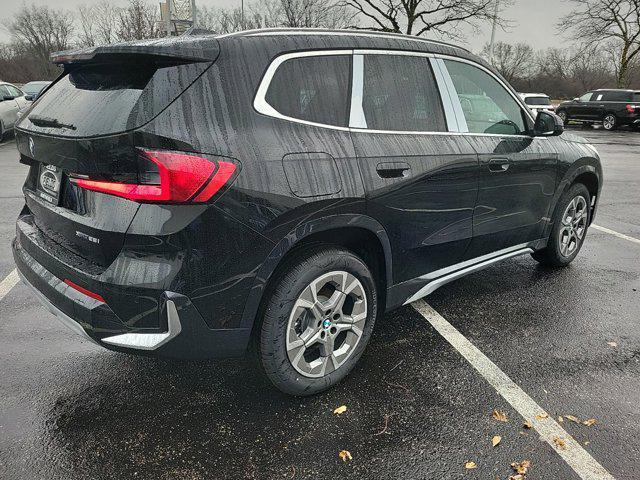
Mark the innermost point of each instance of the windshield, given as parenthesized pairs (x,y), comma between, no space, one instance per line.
(34,87)
(537,101)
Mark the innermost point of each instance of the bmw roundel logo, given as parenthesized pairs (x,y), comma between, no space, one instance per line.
(32,147)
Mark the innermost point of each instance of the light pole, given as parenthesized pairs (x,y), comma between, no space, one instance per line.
(493,31)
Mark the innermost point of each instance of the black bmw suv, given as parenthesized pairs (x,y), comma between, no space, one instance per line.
(612,108)
(276,191)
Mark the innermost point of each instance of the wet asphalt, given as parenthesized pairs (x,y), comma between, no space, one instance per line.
(415,408)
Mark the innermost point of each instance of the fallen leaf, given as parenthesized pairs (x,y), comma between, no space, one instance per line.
(560,443)
(516,477)
(496,440)
(470,465)
(499,415)
(587,443)
(340,410)
(522,467)
(542,415)
(527,424)
(612,344)
(345,455)
(560,419)
(590,422)
(572,418)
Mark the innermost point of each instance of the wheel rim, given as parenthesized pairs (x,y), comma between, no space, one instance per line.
(609,122)
(326,324)
(563,116)
(574,225)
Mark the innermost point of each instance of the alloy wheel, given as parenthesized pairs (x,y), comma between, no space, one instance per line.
(574,226)
(326,324)
(609,122)
(564,117)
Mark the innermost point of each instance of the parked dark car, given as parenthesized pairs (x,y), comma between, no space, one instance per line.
(612,108)
(276,191)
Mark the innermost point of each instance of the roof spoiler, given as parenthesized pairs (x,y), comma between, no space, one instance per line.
(191,48)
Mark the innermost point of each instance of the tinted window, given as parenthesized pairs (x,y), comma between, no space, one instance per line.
(636,97)
(488,107)
(537,101)
(587,97)
(4,92)
(614,96)
(400,93)
(110,98)
(315,89)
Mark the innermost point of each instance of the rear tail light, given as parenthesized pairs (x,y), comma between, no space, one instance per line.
(631,108)
(84,291)
(168,177)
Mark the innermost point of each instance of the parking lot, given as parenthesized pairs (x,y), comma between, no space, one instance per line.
(417,408)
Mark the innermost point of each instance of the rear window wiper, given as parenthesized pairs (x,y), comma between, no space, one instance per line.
(49,122)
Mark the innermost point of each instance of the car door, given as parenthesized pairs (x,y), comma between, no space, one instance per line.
(8,108)
(421,182)
(579,109)
(517,172)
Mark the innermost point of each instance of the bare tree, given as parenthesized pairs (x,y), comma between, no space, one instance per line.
(138,20)
(98,23)
(612,22)
(419,17)
(512,61)
(311,13)
(40,31)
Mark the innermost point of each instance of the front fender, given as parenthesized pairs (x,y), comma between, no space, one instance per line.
(297,235)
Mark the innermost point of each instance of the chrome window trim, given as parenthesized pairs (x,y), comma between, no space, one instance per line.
(356,114)
(260,103)
(451,103)
(262,106)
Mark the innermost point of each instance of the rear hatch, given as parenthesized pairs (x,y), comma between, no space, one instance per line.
(84,126)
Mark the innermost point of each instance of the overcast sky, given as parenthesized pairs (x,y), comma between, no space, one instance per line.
(533,20)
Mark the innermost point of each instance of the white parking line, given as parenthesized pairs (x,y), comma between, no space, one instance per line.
(616,234)
(550,431)
(8,283)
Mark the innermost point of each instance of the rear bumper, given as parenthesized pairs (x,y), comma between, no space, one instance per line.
(185,335)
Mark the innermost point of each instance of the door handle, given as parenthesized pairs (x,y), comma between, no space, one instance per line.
(498,165)
(392,169)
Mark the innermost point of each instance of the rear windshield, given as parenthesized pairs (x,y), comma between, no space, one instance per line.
(104,99)
(537,101)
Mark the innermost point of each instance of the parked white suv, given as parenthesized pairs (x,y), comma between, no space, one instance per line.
(11,101)
(537,102)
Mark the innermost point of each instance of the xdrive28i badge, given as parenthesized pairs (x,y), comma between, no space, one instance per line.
(49,180)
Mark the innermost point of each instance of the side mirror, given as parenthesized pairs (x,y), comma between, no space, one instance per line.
(548,125)
(577,99)
(29,98)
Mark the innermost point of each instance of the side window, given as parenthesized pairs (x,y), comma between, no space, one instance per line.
(14,91)
(488,107)
(400,94)
(315,89)
(614,96)
(587,97)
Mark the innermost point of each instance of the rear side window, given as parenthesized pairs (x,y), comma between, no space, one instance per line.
(487,105)
(636,97)
(314,89)
(400,94)
(614,96)
(110,98)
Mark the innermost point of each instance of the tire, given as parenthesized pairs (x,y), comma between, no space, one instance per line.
(569,230)
(2,132)
(610,122)
(565,118)
(304,350)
